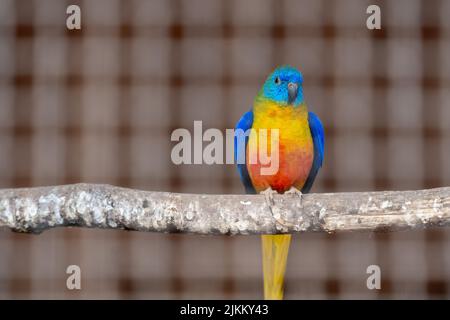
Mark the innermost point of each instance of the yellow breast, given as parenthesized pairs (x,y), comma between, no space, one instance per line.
(291,121)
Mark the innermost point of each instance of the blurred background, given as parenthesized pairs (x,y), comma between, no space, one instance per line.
(99,105)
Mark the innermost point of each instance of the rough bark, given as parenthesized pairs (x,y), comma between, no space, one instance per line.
(102,206)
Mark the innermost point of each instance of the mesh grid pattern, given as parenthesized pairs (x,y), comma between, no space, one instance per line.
(99,105)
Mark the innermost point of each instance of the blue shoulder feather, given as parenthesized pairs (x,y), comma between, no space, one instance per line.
(244,124)
(318,137)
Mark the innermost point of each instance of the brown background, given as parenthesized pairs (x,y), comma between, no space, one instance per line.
(98,105)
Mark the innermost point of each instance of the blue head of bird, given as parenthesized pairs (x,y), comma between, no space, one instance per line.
(284,86)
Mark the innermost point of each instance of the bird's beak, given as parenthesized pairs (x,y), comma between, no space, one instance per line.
(292,92)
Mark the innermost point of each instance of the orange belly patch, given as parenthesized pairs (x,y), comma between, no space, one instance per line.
(294,166)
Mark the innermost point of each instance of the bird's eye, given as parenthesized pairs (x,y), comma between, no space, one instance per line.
(277,80)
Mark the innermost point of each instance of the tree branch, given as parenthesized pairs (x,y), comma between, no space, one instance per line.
(102,206)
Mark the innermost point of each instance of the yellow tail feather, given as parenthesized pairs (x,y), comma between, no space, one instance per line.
(275,252)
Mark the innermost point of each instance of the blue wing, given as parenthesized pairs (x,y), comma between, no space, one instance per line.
(244,124)
(318,137)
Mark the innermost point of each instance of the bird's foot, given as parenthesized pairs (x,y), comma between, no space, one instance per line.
(296,192)
(268,194)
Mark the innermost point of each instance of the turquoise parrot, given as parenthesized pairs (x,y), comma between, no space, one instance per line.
(280,105)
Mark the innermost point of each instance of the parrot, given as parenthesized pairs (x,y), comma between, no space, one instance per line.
(280,105)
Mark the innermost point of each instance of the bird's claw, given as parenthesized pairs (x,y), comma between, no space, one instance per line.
(296,192)
(268,195)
